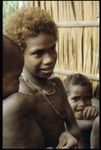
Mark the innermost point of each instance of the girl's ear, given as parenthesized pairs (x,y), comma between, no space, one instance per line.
(22,47)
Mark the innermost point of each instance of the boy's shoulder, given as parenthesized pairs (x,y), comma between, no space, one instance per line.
(19,97)
(18,102)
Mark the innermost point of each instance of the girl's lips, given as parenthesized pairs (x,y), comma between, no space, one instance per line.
(47,70)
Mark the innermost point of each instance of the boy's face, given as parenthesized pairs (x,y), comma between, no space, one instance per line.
(11,82)
(79,98)
(40,55)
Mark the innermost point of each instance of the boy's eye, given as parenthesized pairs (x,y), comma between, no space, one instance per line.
(76,98)
(87,97)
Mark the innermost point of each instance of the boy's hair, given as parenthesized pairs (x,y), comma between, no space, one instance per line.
(29,22)
(11,54)
(77,79)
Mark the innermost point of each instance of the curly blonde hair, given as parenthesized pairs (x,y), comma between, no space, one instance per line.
(29,22)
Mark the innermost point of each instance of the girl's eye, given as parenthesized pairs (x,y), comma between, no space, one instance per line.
(52,49)
(38,54)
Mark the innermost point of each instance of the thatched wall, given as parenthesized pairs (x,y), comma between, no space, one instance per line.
(78,43)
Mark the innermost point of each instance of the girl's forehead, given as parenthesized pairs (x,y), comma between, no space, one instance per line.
(41,40)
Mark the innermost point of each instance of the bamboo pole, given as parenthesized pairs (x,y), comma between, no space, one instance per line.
(36,4)
(95,55)
(70,72)
(48,7)
(54,10)
(42,6)
(78,24)
(55,7)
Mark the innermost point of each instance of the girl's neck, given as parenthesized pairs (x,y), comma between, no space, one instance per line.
(41,84)
(34,79)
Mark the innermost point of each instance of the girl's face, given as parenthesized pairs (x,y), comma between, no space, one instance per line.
(79,98)
(40,55)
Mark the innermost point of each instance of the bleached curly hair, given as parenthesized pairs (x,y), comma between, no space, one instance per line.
(29,22)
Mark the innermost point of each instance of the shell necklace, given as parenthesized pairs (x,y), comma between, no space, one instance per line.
(42,91)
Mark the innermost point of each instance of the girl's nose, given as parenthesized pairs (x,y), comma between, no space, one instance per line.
(48,59)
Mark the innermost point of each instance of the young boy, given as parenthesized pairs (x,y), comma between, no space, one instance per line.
(79,92)
(20,130)
(36,33)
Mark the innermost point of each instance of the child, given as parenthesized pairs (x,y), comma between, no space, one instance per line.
(19,129)
(79,92)
(36,33)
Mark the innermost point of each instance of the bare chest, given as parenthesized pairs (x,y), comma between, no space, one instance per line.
(49,108)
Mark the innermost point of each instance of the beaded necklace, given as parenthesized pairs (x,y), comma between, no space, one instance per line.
(42,91)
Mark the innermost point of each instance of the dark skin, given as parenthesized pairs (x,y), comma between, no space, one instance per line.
(11,68)
(20,130)
(40,58)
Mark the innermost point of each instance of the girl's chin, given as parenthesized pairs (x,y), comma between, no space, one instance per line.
(45,75)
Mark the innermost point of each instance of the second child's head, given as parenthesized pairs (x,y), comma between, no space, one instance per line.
(79,92)
(36,33)
(12,66)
